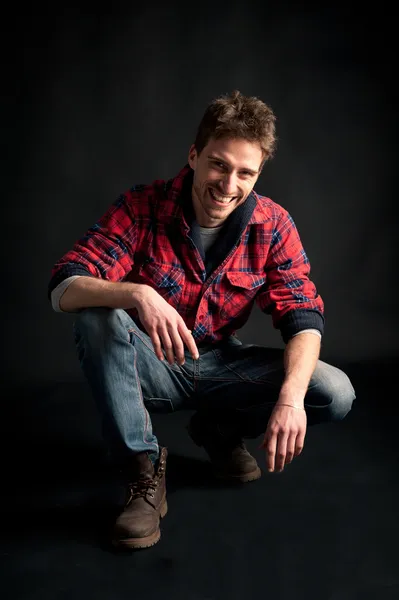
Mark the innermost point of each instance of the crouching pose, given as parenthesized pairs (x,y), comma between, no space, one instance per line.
(161,284)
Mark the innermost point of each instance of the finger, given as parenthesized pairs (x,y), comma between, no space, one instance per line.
(167,345)
(281,451)
(299,444)
(270,444)
(156,342)
(290,448)
(188,339)
(177,345)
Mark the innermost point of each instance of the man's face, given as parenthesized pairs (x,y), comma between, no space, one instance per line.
(224,174)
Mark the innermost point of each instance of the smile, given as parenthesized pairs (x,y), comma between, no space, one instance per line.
(221,200)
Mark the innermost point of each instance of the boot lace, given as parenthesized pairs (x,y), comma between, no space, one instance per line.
(142,487)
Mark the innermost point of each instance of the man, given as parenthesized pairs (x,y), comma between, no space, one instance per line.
(160,286)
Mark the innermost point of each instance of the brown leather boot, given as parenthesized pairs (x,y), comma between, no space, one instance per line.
(138,524)
(228,454)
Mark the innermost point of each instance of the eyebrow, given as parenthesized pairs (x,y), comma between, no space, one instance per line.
(213,157)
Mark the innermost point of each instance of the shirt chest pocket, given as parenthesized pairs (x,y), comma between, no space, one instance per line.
(166,280)
(240,290)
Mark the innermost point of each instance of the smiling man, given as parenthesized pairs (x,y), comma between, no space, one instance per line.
(224,175)
(161,284)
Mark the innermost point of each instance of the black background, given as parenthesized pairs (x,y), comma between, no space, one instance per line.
(98,100)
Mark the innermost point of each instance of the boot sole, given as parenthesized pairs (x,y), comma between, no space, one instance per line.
(145,542)
(243,478)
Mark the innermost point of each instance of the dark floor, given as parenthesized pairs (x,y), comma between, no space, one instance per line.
(327,528)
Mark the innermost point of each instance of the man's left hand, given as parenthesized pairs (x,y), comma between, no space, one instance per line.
(284,437)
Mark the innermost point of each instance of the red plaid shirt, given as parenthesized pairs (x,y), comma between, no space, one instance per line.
(150,236)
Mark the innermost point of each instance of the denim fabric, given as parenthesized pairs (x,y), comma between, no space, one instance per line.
(233,384)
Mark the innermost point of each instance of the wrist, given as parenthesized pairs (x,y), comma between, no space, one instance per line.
(292,395)
(135,294)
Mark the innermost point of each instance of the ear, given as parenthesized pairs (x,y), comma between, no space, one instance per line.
(192,157)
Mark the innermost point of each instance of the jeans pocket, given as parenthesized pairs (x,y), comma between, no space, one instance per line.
(159,405)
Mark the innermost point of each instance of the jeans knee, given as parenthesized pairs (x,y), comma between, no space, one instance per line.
(342,396)
(336,391)
(97,322)
(343,403)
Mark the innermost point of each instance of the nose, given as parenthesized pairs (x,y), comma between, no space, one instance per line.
(229,184)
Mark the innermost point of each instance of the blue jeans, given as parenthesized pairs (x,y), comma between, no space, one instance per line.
(236,385)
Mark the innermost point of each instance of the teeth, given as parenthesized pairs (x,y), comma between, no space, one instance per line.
(223,199)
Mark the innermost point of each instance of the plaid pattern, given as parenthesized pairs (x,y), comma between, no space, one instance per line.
(149,236)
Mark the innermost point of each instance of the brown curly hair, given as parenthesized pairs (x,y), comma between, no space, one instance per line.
(237,116)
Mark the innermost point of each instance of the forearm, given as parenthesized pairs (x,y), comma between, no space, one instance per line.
(87,292)
(300,359)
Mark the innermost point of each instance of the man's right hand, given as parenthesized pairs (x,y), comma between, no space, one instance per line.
(164,325)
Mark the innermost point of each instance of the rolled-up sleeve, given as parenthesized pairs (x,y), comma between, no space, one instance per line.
(106,250)
(288,294)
